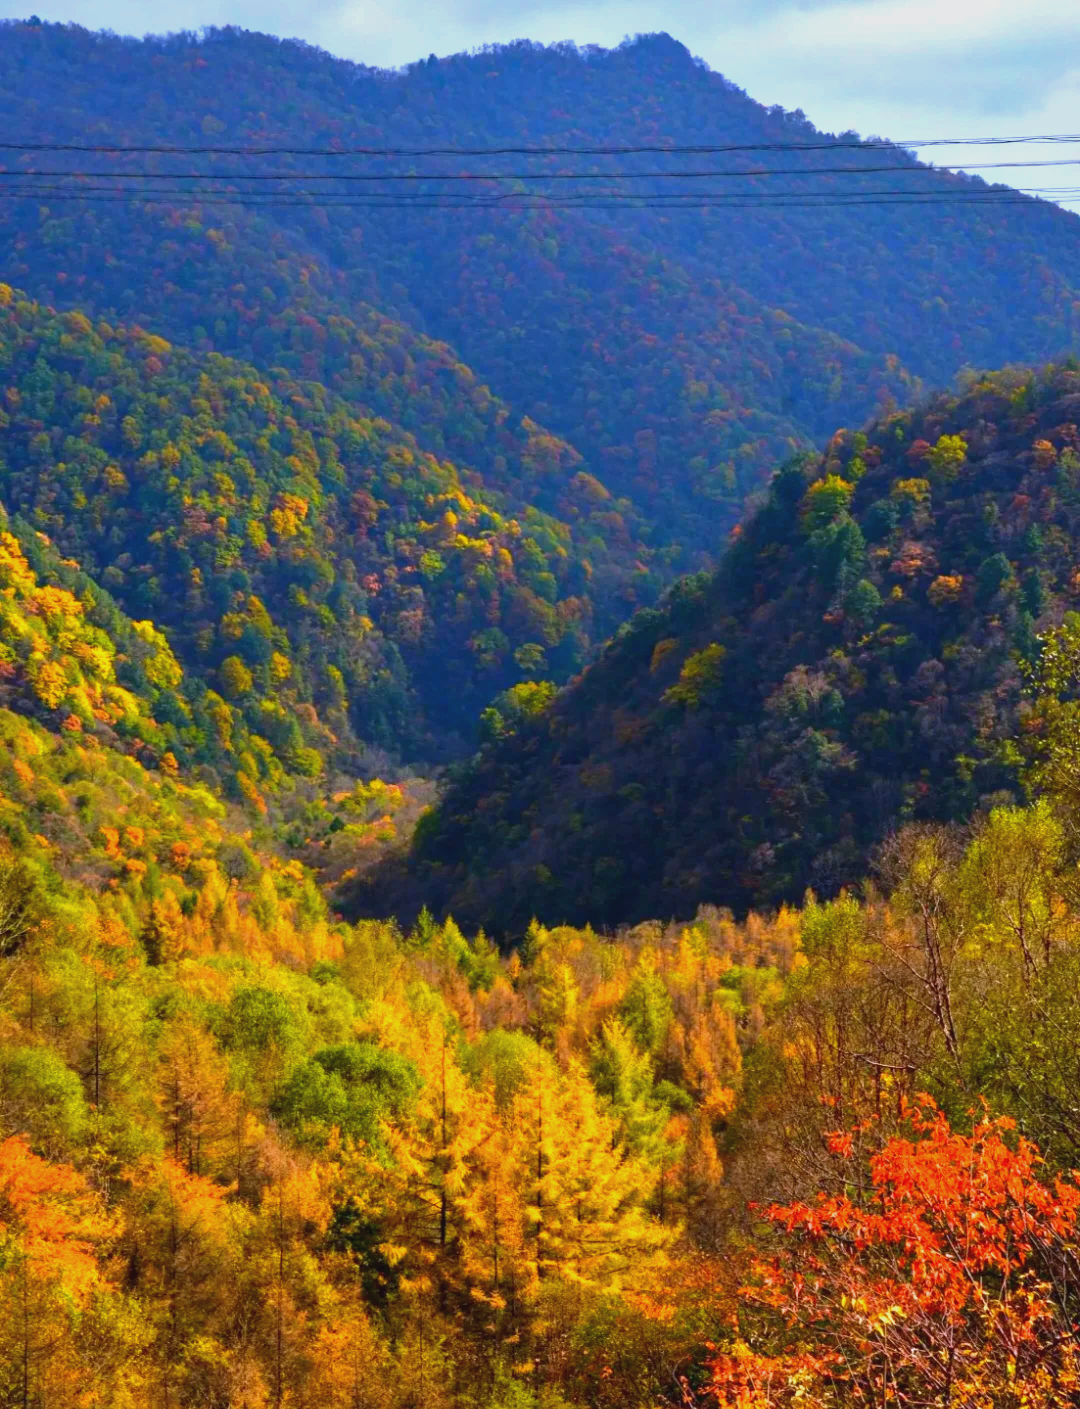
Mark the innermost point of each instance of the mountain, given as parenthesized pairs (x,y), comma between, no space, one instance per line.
(325,581)
(370,462)
(252,1154)
(850,666)
(291,490)
(679,354)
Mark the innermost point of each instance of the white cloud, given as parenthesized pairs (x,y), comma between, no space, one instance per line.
(912,69)
(977,56)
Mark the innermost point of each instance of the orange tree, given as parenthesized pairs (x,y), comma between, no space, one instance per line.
(51,1225)
(946,1274)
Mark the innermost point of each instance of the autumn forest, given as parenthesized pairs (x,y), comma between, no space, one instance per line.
(539,744)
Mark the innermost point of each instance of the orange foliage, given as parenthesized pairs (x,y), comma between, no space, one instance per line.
(48,1211)
(952,1282)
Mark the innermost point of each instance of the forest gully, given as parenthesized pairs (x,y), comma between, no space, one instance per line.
(539,737)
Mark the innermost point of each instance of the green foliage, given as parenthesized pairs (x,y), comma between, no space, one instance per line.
(994,574)
(699,678)
(350,1088)
(825,501)
(863,603)
(371,1145)
(947,456)
(506,1059)
(285,1159)
(236,679)
(595,401)
(63,658)
(515,707)
(22,904)
(359,1236)
(623,1074)
(1051,742)
(830,932)
(646,1009)
(42,1098)
(256,1020)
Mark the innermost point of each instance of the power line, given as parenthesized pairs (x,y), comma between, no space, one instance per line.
(321,199)
(368,176)
(977,196)
(527,201)
(404,197)
(639,150)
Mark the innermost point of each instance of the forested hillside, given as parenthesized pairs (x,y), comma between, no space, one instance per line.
(254,1157)
(681,353)
(716,1044)
(326,582)
(851,665)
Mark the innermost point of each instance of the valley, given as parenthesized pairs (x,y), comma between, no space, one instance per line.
(539,742)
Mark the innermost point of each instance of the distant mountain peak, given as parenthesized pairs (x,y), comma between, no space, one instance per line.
(658,42)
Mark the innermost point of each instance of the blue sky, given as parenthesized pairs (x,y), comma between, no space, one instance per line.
(905,69)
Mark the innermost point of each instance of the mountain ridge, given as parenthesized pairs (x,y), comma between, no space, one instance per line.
(681,356)
(261,519)
(850,666)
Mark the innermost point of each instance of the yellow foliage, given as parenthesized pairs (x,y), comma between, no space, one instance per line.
(947,456)
(251,792)
(1045,456)
(48,680)
(288,514)
(699,677)
(945,590)
(912,492)
(55,601)
(825,500)
(23,771)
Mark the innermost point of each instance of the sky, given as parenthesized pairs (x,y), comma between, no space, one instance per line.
(904,69)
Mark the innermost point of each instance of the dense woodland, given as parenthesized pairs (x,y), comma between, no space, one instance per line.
(255,1156)
(705,1035)
(681,355)
(853,663)
(310,562)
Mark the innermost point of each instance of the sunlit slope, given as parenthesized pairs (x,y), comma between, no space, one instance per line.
(850,666)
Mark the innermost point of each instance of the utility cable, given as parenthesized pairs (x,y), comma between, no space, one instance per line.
(867,144)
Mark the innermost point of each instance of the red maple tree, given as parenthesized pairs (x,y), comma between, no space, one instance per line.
(949,1274)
